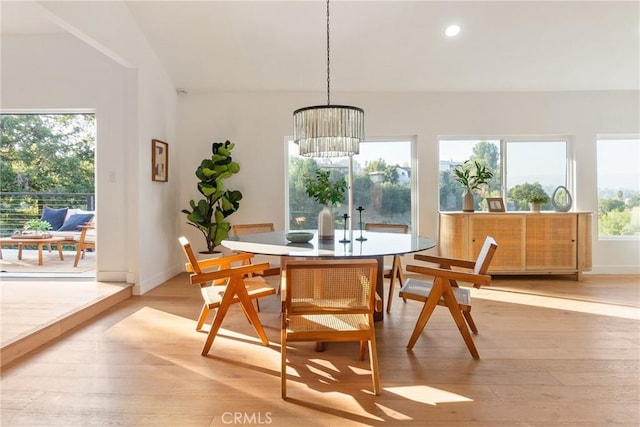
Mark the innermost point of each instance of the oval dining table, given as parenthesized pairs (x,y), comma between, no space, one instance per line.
(346,244)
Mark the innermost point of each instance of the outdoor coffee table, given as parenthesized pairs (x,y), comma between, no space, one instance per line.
(21,241)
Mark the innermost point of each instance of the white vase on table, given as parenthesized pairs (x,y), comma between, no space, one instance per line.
(325,224)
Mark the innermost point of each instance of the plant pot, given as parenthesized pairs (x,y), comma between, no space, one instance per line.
(535,207)
(468,203)
(325,224)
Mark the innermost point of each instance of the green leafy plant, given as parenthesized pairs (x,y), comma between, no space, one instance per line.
(526,193)
(538,198)
(472,175)
(323,190)
(37,225)
(209,214)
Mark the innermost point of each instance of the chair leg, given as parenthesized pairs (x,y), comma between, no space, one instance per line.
(469,319)
(245,302)
(203,317)
(283,362)
(401,277)
(373,361)
(392,279)
(363,348)
(429,305)
(456,313)
(79,251)
(217,322)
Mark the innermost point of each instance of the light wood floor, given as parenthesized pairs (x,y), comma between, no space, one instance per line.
(554,352)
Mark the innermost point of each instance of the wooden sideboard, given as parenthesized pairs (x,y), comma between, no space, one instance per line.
(528,242)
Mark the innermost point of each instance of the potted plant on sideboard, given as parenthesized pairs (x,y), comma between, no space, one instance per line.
(209,213)
(536,200)
(472,175)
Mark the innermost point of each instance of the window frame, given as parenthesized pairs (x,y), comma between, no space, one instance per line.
(412,140)
(609,237)
(503,142)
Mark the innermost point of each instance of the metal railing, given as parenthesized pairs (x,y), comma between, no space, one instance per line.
(17,208)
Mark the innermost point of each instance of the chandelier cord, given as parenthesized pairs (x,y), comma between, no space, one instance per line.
(328,61)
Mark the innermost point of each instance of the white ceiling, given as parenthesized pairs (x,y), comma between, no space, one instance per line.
(384,45)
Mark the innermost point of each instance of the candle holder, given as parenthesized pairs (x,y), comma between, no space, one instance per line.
(344,239)
(360,239)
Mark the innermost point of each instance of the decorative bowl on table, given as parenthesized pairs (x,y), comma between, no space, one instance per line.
(299,236)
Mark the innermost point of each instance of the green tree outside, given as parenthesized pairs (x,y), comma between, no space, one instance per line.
(47,153)
(43,153)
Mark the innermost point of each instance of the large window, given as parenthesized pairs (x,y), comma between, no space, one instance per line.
(618,187)
(520,168)
(383,184)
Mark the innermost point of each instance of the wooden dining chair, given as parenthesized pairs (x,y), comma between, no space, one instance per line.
(444,290)
(326,301)
(394,271)
(227,284)
(265,227)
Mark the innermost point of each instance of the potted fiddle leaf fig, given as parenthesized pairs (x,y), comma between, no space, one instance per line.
(209,213)
(472,176)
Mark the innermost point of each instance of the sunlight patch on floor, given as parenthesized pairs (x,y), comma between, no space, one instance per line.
(557,303)
(427,395)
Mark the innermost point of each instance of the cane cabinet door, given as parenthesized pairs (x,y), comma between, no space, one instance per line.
(509,232)
(551,242)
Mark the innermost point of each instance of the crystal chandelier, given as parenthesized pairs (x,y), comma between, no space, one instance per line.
(328,130)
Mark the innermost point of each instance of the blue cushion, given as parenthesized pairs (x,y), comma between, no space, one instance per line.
(74,221)
(55,217)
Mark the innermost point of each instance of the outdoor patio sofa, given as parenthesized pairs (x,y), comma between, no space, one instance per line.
(66,222)
(69,223)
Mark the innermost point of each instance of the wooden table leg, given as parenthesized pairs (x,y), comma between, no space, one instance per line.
(40,245)
(20,251)
(60,251)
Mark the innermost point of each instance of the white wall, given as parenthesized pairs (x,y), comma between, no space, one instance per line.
(106,66)
(120,79)
(258,123)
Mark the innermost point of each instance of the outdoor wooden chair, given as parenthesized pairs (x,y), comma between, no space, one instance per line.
(85,241)
(329,300)
(444,290)
(227,284)
(394,271)
(240,229)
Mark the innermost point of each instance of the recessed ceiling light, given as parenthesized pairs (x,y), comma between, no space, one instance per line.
(452,30)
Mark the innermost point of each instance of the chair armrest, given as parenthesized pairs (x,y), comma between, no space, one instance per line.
(227,272)
(224,261)
(445,262)
(478,279)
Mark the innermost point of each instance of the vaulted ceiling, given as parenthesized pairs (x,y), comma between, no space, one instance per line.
(384,45)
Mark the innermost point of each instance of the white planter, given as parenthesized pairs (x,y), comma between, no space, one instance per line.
(325,224)
(468,203)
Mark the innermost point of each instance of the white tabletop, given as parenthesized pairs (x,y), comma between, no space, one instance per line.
(376,244)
